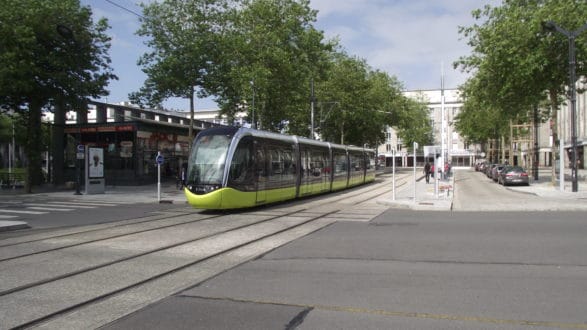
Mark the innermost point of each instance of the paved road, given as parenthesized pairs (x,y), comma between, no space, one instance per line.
(384,265)
(407,269)
(475,192)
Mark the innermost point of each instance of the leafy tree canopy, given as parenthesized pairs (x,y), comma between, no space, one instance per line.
(51,52)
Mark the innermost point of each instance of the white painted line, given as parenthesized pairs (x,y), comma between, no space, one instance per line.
(2,216)
(75,206)
(22,211)
(86,203)
(48,209)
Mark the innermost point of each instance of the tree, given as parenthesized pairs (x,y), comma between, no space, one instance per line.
(413,123)
(272,51)
(185,39)
(520,65)
(51,52)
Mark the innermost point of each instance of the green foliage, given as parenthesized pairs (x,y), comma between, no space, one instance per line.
(269,51)
(51,52)
(414,123)
(359,102)
(517,65)
(184,38)
(273,51)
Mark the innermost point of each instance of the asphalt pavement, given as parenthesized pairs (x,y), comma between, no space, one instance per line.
(434,195)
(166,192)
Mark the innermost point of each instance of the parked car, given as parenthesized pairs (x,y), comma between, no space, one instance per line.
(513,175)
(496,170)
(489,169)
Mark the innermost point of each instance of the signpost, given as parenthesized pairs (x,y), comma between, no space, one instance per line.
(159,160)
(80,152)
(393,171)
(415,149)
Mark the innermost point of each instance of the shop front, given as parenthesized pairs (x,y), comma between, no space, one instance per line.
(130,149)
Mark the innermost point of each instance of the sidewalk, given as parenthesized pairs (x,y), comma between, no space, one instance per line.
(169,194)
(544,187)
(427,198)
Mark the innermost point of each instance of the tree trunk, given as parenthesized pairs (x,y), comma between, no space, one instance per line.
(33,150)
(58,146)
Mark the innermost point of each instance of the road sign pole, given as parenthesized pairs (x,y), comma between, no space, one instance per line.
(159,157)
(393,171)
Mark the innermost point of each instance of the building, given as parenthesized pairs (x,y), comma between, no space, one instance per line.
(457,151)
(131,138)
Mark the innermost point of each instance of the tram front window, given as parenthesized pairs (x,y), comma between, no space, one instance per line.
(207,162)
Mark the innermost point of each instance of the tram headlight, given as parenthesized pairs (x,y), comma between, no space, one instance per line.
(211,188)
(203,189)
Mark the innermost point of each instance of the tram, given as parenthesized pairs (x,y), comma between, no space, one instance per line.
(232,168)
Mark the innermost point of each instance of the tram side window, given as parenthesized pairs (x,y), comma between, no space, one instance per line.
(318,163)
(260,163)
(281,170)
(241,168)
(356,163)
(340,163)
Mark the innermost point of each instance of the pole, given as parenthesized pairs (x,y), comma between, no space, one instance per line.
(253,124)
(312,100)
(78,161)
(11,151)
(415,148)
(561,167)
(435,174)
(393,171)
(158,177)
(536,155)
(572,80)
(443,135)
(551,26)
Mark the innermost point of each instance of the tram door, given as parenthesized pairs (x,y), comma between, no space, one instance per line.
(261,173)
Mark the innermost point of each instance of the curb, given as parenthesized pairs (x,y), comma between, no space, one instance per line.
(13,225)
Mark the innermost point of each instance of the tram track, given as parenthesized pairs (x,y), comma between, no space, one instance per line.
(51,298)
(223,242)
(230,247)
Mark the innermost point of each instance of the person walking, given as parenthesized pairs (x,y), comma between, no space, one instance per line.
(427,172)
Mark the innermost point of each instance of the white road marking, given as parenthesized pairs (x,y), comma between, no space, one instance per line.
(22,211)
(48,209)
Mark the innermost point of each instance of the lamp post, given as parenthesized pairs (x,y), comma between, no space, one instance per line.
(253,124)
(66,33)
(571,35)
(312,101)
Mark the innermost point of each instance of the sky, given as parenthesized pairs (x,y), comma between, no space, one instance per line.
(415,40)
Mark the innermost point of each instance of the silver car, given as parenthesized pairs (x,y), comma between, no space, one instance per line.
(513,175)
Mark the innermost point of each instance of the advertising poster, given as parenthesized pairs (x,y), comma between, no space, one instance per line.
(96,163)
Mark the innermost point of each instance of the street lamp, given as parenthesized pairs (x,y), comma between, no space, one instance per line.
(551,26)
(66,33)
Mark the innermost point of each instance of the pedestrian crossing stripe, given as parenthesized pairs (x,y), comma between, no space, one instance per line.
(22,211)
(64,204)
(93,203)
(2,216)
(48,208)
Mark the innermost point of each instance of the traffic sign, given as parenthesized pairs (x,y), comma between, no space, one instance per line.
(159,159)
(81,148)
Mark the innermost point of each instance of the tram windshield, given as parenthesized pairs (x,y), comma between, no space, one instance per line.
(208,159)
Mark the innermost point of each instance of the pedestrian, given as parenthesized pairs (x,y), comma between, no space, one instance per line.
(183,174)
(427,172)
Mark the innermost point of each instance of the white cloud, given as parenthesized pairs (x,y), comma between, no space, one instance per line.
(406,38)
